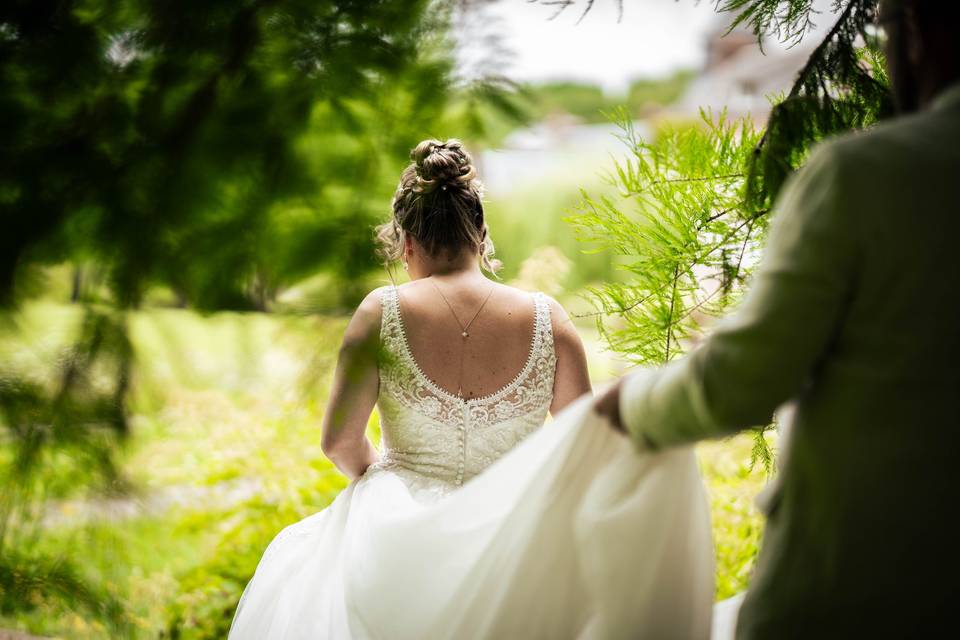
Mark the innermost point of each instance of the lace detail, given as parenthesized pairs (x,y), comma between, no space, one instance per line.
(440,436)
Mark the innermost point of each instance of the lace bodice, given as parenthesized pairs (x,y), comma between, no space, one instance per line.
(431,435)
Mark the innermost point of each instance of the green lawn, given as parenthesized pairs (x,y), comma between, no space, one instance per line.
(226,450)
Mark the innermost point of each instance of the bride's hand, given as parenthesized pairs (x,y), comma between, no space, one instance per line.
(608,405)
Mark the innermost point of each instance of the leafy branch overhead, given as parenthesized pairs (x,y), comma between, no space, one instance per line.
(692,218)
(200,154)
(697,195)
(688,242)
(842,86)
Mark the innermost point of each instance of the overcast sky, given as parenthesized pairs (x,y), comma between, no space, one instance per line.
(654,38)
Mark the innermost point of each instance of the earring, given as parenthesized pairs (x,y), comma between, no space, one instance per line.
(406,266)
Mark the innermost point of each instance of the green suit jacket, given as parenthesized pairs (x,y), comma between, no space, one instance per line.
(853,316)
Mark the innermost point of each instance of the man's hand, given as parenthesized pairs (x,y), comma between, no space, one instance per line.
(608,405)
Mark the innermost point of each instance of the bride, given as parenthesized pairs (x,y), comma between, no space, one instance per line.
(476,520)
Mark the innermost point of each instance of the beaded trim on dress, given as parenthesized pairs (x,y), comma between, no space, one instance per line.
(435,440)
(532,386)
(437,435)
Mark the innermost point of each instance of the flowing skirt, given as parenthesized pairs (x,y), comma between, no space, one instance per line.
(572,534)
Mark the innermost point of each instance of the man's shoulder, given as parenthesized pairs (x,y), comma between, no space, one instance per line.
(887,140)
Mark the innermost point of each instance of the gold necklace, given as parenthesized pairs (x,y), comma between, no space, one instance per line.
(464,328)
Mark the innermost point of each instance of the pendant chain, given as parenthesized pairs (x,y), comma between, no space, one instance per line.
(464,328)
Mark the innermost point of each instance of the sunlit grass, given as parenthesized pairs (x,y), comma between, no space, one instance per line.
(226,425)
(732,486)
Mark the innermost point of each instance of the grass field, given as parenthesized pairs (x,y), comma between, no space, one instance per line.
(226,427)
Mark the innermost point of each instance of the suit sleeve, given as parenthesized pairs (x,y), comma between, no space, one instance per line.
(765,352)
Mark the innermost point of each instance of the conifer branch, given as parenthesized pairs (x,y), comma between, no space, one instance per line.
(699,258)
(673,300)
(728,176)
(809,66)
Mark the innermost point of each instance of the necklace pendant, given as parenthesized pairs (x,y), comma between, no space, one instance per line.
(465,335)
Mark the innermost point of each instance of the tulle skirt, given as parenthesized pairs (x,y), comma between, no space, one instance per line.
(572,534)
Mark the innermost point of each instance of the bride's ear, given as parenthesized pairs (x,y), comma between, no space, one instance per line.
(410,246)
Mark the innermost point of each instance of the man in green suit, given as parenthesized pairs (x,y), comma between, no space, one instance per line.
(853,316)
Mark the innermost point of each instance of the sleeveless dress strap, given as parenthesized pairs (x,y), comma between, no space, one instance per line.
(544,324)
(388,309)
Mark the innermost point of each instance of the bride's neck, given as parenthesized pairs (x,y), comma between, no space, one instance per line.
(463,264)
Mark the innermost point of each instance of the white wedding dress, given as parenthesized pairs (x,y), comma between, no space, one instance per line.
(478,523)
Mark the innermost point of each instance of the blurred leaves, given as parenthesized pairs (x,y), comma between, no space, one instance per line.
(842,86)
(696,201)
(28,581)
(58,435)
(209,593)
(156,136)
(218,152)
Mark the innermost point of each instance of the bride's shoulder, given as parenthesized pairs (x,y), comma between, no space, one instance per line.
(560,321)
(364,325)
(564,331)
(372,303)
(555,308)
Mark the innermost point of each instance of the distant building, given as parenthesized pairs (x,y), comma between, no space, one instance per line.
(739,76)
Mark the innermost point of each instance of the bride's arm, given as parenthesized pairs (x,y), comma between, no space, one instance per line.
(572,379)
(356,383)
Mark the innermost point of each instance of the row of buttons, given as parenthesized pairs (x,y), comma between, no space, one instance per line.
(463,444)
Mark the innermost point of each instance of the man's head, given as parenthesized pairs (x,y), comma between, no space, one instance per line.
(922,48)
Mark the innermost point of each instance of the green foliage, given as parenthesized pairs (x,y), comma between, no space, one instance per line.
(209,592)
(787,19)
(646,94)
(588,101)
(529,219)
(579,99)
(223,150)
(226,410)
(31,580)
(684,231)
(733,485)
(699,199)
(87,386)
(216,153)
(487,109)
(61,434)
(148,133)
(681,229)
(842,86)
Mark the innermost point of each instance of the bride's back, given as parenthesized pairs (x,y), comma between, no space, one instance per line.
(433,428)
(468,366)
(499,337)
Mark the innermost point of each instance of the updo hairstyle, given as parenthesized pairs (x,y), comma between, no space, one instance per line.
(439,202)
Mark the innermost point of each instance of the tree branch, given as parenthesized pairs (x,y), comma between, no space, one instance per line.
(697,260)
(808,67)
(670,322)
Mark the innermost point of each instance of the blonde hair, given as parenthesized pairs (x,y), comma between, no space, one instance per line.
(438,202)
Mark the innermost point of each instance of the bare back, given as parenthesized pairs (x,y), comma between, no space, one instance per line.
(499,339)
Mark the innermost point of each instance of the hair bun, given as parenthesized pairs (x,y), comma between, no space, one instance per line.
(447,221)
(442,164)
